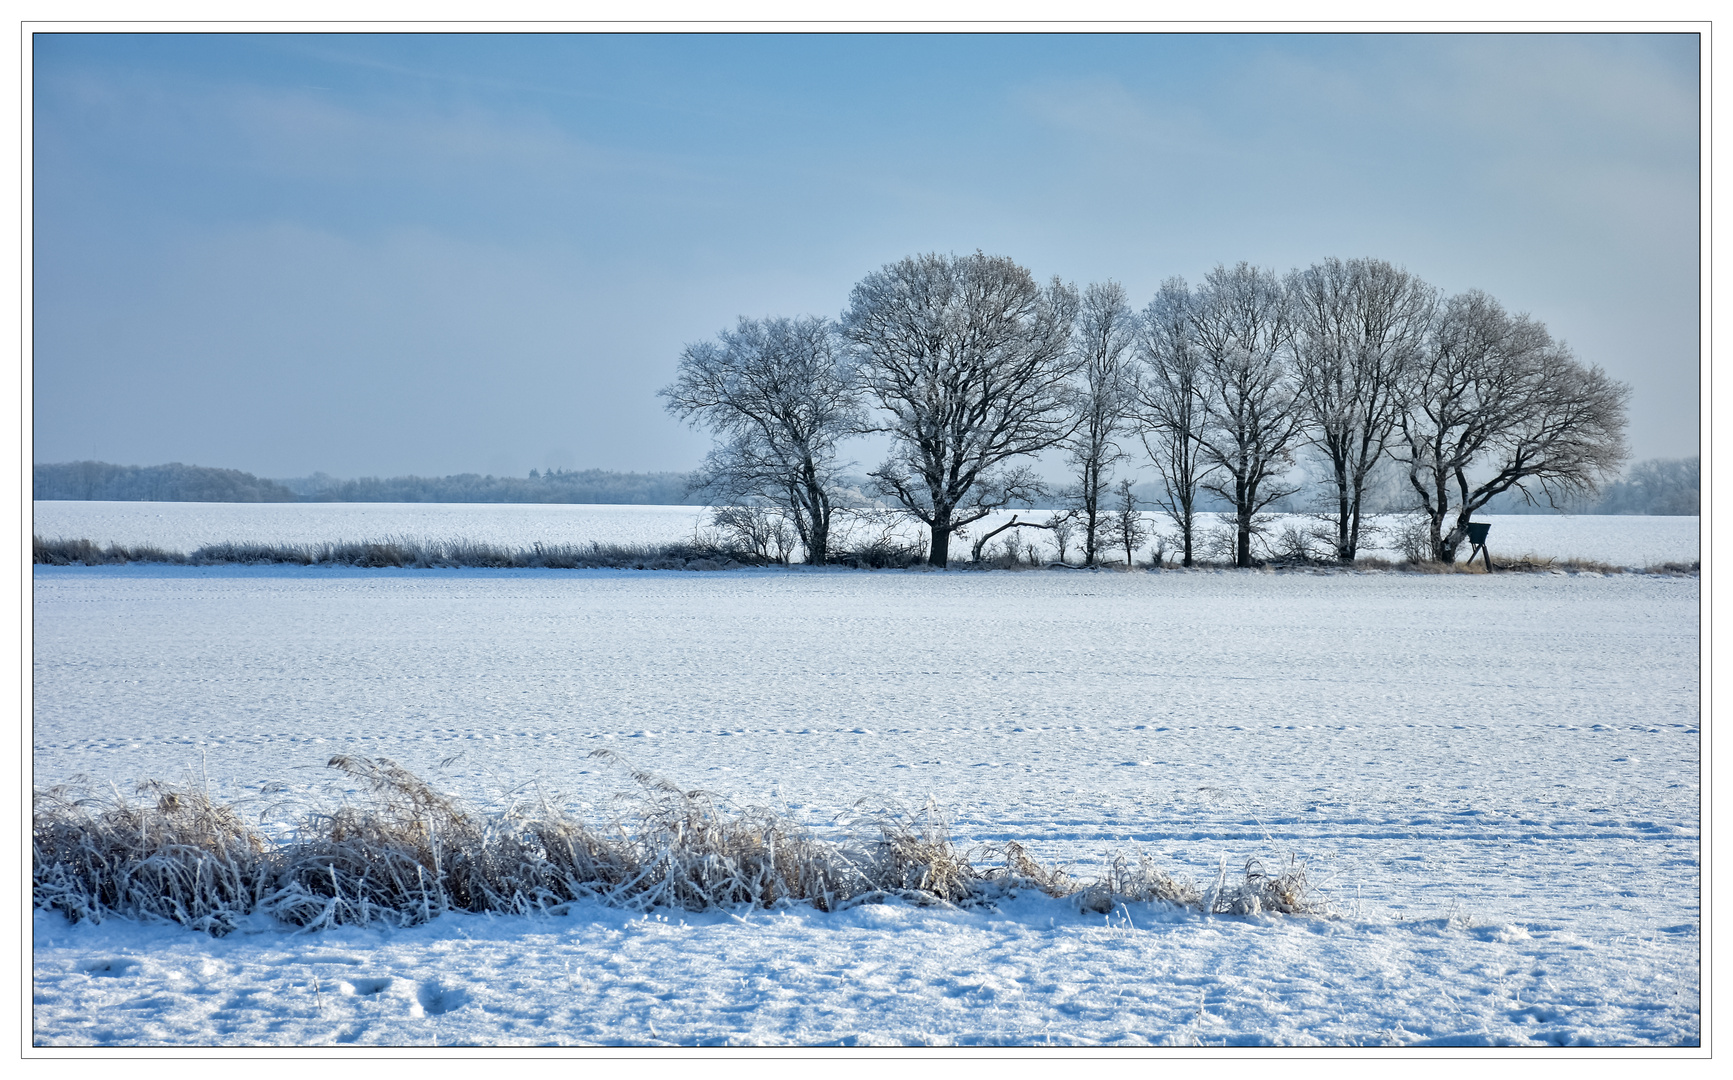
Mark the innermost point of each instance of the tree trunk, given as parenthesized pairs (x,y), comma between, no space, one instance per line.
(818,548)
(1451,541)
(1243,518)
(1091,522)
(940,555)
(1344,539)
(1354,526)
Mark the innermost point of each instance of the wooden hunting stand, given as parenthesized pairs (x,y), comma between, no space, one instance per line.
(1477,531)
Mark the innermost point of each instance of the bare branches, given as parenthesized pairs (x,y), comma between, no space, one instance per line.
(968,357)
(1102,402)
(973,365)
(1494,396)
(1170,412)
(1242,329)
(781,396)
(1358,325)
(1125,526)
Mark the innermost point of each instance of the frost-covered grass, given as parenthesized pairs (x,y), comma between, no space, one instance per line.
(411,853)
(404,553)
(407,552)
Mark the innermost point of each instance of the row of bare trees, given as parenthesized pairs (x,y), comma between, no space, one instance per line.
(972,367)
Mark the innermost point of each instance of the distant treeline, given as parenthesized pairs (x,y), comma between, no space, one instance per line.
(193,483)
(553,486)
(1661,486)
(1657,486)
(98,480)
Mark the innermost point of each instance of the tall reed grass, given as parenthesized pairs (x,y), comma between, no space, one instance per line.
(404,852)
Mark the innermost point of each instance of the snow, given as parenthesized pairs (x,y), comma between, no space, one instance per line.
(1035,972)
(186,526)
(1495,776)
(1621,541)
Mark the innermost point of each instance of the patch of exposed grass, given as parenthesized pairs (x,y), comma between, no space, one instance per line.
(404,852)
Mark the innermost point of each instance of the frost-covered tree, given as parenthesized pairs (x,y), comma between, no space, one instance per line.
(1104,400)
(1170,405)
(1064,527)
(780,395)
(1252,420)
(1125,527)
(1357,326)
(969,358)
(1494,404)
(762,530)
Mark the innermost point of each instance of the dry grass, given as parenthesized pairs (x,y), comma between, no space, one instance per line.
(408,553)
(85,553)
(176,856)
(404,852)
(417,554)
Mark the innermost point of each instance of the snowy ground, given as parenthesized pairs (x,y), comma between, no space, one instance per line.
(1496,777)
(1621,541)
(186,526)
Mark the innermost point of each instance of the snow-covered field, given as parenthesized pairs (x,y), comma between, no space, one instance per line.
(186,526)
(1622,541)
(1495,777)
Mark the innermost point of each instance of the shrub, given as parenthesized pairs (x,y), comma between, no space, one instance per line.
(881,553)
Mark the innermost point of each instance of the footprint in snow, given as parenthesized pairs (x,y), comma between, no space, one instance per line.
(364,987)
(435,1000)
(111,968)
(324,958)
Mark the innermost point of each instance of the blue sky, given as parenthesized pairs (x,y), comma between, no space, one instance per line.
(379,255)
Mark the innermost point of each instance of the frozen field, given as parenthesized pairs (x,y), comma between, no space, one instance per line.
(186,526)
(1496,779)
(1622,541)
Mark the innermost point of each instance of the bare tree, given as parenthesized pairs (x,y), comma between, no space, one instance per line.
(969,356)
(1170,406)
(1251,418)
(1357,326)
(1125,526)
(1103,401)
(1064,527)
(764,530)
(1493,396)
(780,394)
